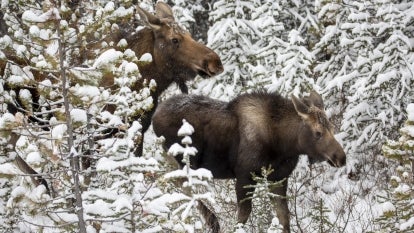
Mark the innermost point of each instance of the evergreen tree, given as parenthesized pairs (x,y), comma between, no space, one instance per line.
(319,215)
(398,205)
(369,72)
(54,55)
(195,188)
(262,217)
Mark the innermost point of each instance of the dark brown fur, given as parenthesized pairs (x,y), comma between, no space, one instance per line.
(237,138)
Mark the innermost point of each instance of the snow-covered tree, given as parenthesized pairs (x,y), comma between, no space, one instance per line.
(195,189)
(233,36)
(53,58)
(397,207)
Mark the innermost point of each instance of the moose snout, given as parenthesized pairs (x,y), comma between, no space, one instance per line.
(213,65)
(338,159)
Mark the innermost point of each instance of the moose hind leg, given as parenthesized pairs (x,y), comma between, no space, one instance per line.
(210,218)
(281,205)
(244,203)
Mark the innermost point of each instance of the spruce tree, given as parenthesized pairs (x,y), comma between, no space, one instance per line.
(398,203)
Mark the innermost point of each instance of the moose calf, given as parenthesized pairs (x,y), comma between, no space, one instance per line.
(237,138)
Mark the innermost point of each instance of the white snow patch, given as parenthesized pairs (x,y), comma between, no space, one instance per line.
(58,131)
(410,112)
(30,16)
(383,208)
(408,224)
(105,164)
(146,57)
(86,93)
(78,115)
(186,129)
(8,169)
(34,158)
(122,202)
(107,57)
(6,119)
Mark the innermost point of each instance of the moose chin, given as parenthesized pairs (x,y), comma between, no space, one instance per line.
(237,138)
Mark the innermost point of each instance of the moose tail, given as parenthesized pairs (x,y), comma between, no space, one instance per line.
(210,218)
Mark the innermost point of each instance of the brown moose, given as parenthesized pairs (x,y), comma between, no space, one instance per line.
(237,138)
(177,57)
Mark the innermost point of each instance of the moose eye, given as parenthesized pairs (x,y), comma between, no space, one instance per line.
(318,135)
(174,41)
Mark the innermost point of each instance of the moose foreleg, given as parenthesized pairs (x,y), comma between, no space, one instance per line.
(281,205)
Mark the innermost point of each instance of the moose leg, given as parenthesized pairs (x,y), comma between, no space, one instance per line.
(244,203)
(282,209)
(145,122)
(210,218)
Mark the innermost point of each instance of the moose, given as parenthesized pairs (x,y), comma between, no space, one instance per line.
(176,58)
(237,138)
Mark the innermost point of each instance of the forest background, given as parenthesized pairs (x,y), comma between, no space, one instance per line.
(357,54)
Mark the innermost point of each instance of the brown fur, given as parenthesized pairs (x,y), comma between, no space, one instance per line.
(237,138)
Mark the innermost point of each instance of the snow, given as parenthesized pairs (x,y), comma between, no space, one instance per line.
(146,57)
(384,207)
(186,129)
(131,68)
(34,158)
(30,16)
(106,58)
(8,169)
(110,6)
(200,173)
(410,112)
(142,164)
(86,93)
(34,30)
(112,120)
(58,131)
(78,115)
(407,224)
(6,119)
(122,202)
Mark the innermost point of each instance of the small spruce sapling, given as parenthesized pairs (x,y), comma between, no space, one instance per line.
(194,182)
(261,196)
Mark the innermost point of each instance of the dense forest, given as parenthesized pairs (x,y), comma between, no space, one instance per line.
(54,55)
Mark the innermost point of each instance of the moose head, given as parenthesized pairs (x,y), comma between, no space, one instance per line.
(175,53)
(316,137)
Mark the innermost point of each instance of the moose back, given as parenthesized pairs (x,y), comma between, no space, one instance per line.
(237,138)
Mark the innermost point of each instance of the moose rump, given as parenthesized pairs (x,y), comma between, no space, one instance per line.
(237,138)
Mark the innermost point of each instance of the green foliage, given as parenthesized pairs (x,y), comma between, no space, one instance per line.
(263,216)
(320,217)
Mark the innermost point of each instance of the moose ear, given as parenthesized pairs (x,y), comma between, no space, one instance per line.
(316,99)
(164,11)
(300,107)
(149,19)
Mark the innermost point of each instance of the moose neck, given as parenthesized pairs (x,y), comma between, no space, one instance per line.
(143,42)
(288,129)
